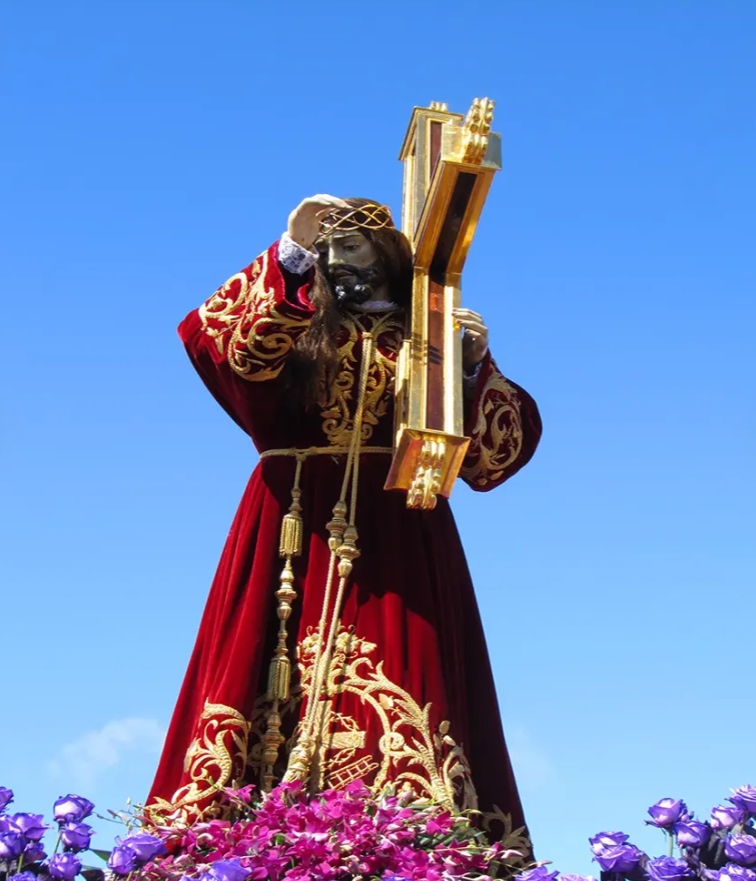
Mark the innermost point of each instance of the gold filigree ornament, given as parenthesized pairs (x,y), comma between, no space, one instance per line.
(371,216)
(337,403)
(476,128)
(496,438)
(244,322)
(426,483)
(216,758)
(410,755)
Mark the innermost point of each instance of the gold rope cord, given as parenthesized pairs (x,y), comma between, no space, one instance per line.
(343,546)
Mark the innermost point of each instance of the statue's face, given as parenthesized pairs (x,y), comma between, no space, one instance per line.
(353,267)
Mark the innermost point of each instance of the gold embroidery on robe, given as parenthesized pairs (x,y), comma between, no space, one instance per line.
(216,758)
(245,322)
(409,755)
(338,404)
(496,438)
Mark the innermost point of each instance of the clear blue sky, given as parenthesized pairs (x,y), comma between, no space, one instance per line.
(151,149)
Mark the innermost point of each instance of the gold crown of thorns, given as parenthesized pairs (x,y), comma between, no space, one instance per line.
(370,216)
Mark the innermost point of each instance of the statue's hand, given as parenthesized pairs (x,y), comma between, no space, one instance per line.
(304,220)
(474,340)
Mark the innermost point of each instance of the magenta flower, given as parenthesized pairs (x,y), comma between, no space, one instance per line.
(64,866)
(72,809)
(667,812)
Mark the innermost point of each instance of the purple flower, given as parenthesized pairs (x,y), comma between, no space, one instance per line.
(6,797)
(668,869)
(145,847)
(34,851)
(29,825)
(622,858)
(227,870)
(733,872)
(122,860)
(744,797)
(741,849)
(667,812)
(564,877)
(64,865)
(76,836)
(11,845)
(540,873)
(72,808)
(603,840)
(726,816)
(692,833)
(23,876)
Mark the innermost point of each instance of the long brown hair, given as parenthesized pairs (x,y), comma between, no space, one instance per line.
(314,361)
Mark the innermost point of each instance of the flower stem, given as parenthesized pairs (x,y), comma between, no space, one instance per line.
(671,842)
(57,843)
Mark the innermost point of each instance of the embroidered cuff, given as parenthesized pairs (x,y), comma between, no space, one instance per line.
(293,257)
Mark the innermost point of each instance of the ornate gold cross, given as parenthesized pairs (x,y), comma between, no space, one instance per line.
(449,163)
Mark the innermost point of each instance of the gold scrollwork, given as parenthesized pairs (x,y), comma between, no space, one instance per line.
(215,759)
(387,330)
(496,438)
(410,754)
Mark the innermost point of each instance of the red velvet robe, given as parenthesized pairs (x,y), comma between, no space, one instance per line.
(411,698)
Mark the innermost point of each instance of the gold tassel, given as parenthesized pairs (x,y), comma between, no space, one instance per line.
(279,679)
(291,528)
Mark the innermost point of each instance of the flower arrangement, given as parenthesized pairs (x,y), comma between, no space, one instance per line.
(352,835)
(286,835)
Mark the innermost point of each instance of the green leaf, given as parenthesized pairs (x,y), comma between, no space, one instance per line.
(102,854)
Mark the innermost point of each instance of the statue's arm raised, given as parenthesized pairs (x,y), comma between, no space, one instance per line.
(504,426)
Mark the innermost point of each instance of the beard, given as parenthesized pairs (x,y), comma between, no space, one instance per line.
(355,284)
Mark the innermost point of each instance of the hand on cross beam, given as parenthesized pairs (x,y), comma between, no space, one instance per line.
(474,339)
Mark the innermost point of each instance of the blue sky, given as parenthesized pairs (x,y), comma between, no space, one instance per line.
(149,150)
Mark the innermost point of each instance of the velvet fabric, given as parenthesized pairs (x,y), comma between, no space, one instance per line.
(411,698)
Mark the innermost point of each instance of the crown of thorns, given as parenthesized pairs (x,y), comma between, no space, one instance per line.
(370,216)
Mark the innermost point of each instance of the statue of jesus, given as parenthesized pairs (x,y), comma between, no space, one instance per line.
(341,639)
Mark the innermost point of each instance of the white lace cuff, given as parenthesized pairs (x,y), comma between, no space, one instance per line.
(293,257)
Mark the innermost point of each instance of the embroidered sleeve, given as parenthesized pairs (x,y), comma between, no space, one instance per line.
(254,319)
(504,426)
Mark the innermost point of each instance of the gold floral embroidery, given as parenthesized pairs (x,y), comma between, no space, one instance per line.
(245,322)
(409,755)
(337,413)
(216,758)
(499,826)
(497,435)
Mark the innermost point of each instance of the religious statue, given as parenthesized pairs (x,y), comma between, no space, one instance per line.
(341,639)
